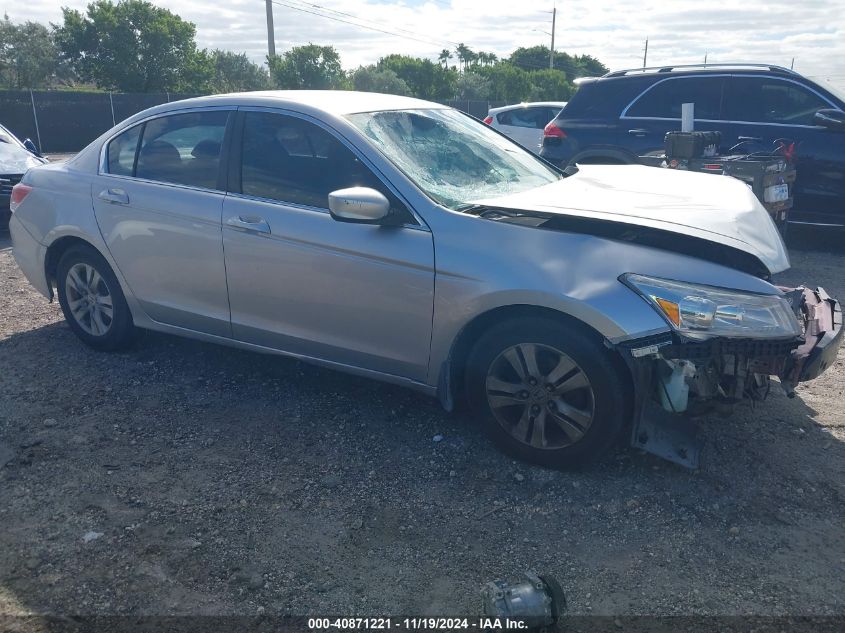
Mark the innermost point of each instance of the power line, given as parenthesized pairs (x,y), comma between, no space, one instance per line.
(321,11)
(363,26)
(350,15)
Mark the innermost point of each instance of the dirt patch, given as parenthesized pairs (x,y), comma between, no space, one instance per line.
(183,477)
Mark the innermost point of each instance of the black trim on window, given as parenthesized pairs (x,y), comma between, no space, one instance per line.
(143,127)
(223,166)
(236,150)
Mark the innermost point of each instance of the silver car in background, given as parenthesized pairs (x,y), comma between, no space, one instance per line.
(402,240)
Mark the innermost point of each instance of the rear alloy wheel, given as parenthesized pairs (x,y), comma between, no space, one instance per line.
(89,299)
(548,391)
(92,301)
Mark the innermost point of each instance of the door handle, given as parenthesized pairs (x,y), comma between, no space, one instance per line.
(753,139)
(638,132)
(251,223)
(114,196)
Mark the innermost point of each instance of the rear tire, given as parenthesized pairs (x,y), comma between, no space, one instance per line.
(547,391)
(92,300)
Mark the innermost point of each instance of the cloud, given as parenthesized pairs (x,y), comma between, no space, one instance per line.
(682,31)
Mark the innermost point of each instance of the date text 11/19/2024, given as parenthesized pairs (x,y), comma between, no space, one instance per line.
(418,624)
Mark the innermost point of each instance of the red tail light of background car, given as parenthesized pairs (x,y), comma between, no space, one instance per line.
(19,192)
(553,131)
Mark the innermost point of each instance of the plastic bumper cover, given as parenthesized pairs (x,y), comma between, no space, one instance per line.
(29,254)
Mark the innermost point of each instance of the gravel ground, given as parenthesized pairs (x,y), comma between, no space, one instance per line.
(186,478)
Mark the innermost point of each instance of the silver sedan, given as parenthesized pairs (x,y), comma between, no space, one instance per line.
(402,240)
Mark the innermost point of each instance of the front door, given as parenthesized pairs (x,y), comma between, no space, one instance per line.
(158,206)
(302,282)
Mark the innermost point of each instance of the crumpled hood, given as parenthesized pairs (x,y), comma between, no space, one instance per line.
(14,160)
(717,208)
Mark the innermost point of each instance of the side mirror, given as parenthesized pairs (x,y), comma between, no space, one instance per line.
(359,204)
(30,146)
(830,118)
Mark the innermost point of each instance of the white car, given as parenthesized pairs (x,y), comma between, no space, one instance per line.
(524,122)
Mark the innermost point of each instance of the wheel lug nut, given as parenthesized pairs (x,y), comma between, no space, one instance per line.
(532,381)
(523,394)
(535,409)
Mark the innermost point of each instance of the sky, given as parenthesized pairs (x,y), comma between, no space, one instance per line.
(679,31)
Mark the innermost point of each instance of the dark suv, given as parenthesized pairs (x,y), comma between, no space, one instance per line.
(625,114)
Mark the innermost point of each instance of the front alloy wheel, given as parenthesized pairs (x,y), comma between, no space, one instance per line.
(540,396)
(547,390)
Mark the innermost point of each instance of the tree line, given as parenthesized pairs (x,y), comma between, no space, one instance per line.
(136,46)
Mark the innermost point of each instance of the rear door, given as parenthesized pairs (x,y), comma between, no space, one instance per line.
(158,200)
(300,281)
(657,110)
(764,111)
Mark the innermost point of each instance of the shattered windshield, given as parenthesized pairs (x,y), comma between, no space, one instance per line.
(451,157)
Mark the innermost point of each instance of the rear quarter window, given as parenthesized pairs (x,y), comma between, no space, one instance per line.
(121,152)
(604,98)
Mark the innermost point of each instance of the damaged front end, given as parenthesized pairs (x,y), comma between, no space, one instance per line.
(678,376)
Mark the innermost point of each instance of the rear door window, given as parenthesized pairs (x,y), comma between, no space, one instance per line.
(183,148)
(771,100)
(533,118)
(664,99)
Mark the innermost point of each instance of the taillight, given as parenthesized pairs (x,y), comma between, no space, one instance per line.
(19,192)
(488,120)
(553,131)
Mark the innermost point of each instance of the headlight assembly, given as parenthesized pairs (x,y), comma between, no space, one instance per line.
(705,311)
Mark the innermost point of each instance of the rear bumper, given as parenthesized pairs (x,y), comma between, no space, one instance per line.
(30,255)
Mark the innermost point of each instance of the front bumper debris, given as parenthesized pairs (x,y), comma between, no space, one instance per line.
(676,378)
(823,334)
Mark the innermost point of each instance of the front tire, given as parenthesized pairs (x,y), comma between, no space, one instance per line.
(547,391)
(92,300)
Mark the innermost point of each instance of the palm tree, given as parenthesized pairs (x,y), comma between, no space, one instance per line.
(464,54)
(445,56)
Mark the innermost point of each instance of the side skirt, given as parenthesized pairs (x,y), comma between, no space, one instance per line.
(349,369)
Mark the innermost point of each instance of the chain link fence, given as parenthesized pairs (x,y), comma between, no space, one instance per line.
(66,121)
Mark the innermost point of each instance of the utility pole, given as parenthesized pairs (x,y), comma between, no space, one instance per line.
(705,59)
(792,65)
(552,51)
(645,54)
(271,34)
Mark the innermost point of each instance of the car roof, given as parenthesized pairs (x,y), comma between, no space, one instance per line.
(694,69)
(338,102)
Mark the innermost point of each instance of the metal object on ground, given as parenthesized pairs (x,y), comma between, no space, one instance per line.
(538,601)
